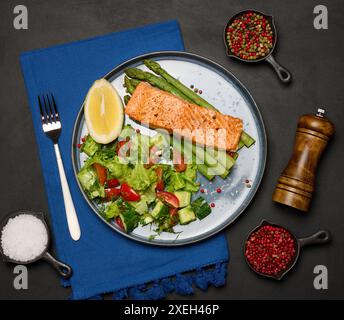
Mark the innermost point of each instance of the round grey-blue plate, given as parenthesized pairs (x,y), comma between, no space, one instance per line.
(223,90)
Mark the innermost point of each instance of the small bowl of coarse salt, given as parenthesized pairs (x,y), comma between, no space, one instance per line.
(25,238)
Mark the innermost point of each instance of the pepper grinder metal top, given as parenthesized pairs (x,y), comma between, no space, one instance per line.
(296,184)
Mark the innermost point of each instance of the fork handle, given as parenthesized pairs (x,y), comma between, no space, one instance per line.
(72,219)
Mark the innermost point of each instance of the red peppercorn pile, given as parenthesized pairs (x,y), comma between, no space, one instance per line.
(270,250)
(250,36)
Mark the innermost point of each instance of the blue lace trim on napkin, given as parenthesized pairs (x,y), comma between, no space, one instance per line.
(181,284)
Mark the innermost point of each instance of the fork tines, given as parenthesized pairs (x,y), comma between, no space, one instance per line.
(48,109)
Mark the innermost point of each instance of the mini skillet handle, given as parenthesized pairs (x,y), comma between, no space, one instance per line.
(321,237)
(64,270)
(283,73)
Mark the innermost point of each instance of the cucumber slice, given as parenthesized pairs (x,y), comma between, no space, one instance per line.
(186,215)
(147,219)
(159,210)
(201,208)
(130,219)
(140,207)
(184,198)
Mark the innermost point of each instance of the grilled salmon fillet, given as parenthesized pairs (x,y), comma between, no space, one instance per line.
(160,109)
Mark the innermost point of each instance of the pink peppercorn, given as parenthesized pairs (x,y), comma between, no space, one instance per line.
(270,250)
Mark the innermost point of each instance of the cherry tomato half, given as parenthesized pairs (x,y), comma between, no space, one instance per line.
(112,193)
(159,173)
(123,148)
(129,194)
(112,183)
(101,173)
(160,185)
(168,198)
(180,167)
(119,222)
(173,216)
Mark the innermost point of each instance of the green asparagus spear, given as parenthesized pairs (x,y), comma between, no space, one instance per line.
(134,82)
(214,166)
(155,81)
(126,99)
(155,67)
(240,144)
(203,169)
(247,139)
(188,151)
(224,158)
(128,85)
(201,153)
(235,157)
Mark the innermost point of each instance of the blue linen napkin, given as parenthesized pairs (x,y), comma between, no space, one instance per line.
(102,260)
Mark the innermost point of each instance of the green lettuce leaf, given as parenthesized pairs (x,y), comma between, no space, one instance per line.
(89,182)
(112,210)
(90,147)
(140,178)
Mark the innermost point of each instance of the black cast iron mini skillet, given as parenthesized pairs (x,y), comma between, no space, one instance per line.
(320,237)
(64,270)
(283,73)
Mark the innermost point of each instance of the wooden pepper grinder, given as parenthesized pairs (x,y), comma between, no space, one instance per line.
(296,183)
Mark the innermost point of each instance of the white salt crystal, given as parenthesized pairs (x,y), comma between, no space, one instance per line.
(24,238)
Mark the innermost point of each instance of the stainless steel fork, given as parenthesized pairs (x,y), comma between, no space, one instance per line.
(52,128)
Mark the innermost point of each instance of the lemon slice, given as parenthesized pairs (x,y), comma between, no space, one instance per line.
(104,113)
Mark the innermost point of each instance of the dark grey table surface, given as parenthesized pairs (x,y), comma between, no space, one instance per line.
(315,58)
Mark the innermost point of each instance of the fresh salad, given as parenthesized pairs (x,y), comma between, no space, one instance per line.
(133,191)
